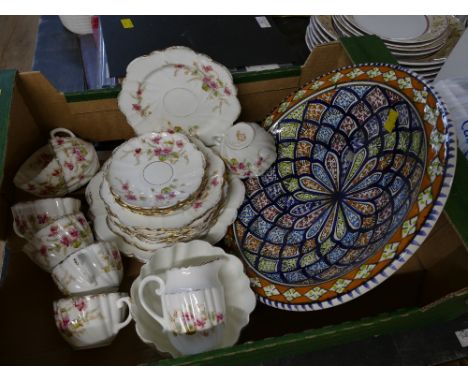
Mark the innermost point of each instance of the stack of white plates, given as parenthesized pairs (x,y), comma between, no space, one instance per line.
(421,43)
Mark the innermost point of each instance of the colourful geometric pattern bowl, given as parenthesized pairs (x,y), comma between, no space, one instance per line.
(365,162)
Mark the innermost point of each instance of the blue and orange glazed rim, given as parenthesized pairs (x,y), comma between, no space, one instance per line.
(400,247)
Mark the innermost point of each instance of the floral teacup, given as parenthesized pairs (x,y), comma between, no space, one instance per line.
(41,174)
(91,321)
(62,166)
(55,242)
(78,158)
(247,149)
(30,217)
(94,269)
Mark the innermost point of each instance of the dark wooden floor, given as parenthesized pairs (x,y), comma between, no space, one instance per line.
(17,41)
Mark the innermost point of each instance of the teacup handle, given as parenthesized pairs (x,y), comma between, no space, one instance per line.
(61,130)
(16,230)
(120,302)
(159,291)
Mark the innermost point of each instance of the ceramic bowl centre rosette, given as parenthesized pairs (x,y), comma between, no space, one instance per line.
(365,162)
(156,170)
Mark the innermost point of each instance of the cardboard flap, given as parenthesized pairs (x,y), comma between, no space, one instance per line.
(94,121)
(323,59)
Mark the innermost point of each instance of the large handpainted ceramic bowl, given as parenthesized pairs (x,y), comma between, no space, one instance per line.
(365,162)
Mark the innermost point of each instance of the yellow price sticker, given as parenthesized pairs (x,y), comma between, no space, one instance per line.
(127,23)
(391,120)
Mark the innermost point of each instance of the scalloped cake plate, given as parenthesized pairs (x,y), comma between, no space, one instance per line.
(156,171)
(178,87)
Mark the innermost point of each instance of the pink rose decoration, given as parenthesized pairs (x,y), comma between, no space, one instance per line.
(200,324)
(179,143)
(41,219)
(136,107)
(167,150)
(53,230)
(74,233)
(43,250)
(80,304)
(227,91)
(65,241)
(69,165)
(131,197)
(56,172)
(81,220)
(64,322)
(207,68)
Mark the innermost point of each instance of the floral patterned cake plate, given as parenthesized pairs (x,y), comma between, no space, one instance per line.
(178,87)
(156,171)
(366,158)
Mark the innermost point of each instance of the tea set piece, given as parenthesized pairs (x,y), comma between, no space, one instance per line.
(248,149)
(207,199)
(53,243)
(78,158)
(351,196)
(156,171)
(58,168)
(233,194)
(41,174)
(210,272)
(228,214)
(141,234)
(178,87)
(192,298)
(91,321)
(30,217)
(93,269)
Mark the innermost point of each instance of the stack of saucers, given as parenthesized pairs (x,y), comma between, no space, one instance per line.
(161,188)
(60,241)
(421,43)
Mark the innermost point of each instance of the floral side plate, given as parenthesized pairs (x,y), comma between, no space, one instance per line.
(366,158)
(234,196)
(209,197)
(179,87)
(156,171)
(240,300)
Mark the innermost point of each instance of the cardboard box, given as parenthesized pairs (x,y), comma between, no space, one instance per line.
(431,287)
